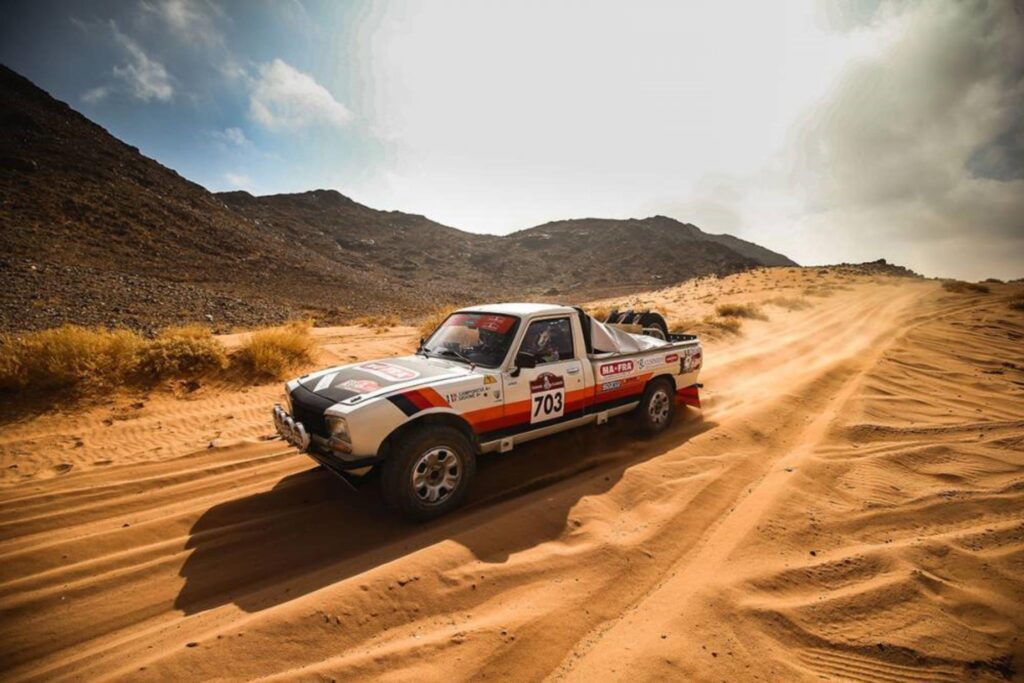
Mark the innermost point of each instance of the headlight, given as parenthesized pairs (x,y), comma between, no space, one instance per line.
(338,428)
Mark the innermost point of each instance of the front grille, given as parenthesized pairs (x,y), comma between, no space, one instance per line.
(308,408)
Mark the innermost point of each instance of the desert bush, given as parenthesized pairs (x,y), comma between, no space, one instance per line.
(433,319)
(994,280)
(1017,305)
(273,353)
(378,322)
(183,351)
(710,327)
(67,357)
(598,313)
(752,311)
(790,303)
(960,287)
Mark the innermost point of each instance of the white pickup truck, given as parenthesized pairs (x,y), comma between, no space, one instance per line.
(488,378)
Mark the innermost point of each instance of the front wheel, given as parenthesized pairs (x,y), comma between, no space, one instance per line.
(657,407)
(429,472)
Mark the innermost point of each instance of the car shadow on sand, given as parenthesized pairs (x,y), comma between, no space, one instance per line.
(311,530)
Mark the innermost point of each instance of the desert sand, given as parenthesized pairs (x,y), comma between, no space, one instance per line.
(848,505)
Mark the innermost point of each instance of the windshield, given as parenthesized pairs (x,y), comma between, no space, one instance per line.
(479,338)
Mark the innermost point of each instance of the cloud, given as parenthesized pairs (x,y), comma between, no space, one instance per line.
(917,152)
(234,137)
(146,78)
(284,97)
(95,95)
(238,181)
(190,20)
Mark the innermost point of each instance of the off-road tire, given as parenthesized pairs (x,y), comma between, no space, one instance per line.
(413,451)
(657,407)
(656,321)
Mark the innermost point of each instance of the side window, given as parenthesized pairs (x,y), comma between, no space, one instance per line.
(549,340)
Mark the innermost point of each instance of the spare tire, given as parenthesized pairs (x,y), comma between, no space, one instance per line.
(651,320)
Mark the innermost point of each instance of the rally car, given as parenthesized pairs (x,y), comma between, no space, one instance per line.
(488,378)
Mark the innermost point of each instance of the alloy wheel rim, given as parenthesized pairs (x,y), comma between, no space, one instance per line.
(436,475)
(659,407)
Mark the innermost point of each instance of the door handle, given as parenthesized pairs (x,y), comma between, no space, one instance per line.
(573,371)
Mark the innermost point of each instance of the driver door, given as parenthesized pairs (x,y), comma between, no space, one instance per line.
(550,394)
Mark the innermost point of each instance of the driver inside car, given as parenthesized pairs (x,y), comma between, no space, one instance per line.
(545,344)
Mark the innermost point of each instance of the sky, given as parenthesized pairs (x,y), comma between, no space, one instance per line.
(831,131)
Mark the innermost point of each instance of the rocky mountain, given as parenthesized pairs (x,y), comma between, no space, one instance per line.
(94,232)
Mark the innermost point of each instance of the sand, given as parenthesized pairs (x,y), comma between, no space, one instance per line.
(849,505)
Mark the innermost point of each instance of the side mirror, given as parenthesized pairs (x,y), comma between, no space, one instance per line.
(422,342)
(525,360)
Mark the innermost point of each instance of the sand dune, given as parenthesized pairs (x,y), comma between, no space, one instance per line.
(849,505)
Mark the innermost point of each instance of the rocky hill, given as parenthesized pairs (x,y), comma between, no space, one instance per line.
(94,232)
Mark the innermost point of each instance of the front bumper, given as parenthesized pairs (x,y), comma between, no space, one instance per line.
(315,446)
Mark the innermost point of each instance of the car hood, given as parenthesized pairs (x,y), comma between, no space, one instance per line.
(379,377)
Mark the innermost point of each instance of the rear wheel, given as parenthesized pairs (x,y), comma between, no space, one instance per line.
(429,472)
(657,407)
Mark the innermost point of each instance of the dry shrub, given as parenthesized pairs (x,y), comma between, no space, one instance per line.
(380,323)
(434,319)
(960,287)
(751,311)
(67,357)
(710,327)
(818,291)
(1017,305)
(182,351)
(273,353)
(790,303)
(598,313)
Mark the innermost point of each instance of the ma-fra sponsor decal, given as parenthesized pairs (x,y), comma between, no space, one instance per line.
(360,386)
(547,394)
(388,371)
(616,368)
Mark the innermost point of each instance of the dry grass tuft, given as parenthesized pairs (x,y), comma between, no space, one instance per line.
(434,319)
(751,311)
(273,353)
(710,327)
(790,303)
(379,323)
(182,351)
(960,287)
(67,357)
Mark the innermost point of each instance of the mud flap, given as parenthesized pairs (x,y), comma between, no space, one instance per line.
(689,396)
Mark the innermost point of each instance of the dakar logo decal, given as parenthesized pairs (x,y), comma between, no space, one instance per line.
(547,394)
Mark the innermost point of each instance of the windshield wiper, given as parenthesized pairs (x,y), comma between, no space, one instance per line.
(456,354)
